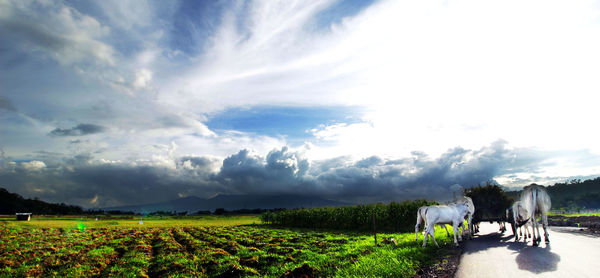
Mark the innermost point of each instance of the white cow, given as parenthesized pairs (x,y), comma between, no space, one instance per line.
(421,218)
(518,217)
(451,214)
(469,202)
(535,200)
(465,199)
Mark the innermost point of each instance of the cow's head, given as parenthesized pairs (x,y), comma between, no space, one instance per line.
(521,221)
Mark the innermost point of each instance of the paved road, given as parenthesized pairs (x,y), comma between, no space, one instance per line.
(491,254)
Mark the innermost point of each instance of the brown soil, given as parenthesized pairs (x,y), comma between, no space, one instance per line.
(446,267)
(589,224)
(592,222)
(305,271)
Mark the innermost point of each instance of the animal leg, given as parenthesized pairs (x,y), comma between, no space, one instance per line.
(470,223)
(536,234)
(426,236)
(545,223)
(446,227)
(433,237)
(417,227)
(454,229)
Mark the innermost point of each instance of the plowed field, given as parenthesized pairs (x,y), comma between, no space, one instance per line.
(235,251)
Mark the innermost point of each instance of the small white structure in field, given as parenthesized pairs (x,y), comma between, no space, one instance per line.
(23,216)
(141,221)
(96,218)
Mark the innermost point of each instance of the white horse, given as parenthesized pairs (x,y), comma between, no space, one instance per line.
(451,214)
(518,217)
(535,200)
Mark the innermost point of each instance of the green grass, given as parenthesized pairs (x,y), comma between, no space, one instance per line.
(205,247)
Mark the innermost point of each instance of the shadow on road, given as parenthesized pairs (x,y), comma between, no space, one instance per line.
(530,258)
(493,240)
(537,259)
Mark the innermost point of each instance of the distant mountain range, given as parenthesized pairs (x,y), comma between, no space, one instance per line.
(232,202)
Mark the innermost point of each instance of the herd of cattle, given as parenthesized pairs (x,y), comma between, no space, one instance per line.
(534,202)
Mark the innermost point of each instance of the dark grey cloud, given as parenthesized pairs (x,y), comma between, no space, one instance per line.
(80,179)
(35,33)
(373,178)
(6,104)
(79,130)
(281,171)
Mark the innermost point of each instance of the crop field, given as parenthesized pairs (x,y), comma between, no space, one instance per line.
(206,250)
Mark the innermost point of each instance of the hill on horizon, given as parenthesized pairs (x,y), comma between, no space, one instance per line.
(193,204)
(11,203)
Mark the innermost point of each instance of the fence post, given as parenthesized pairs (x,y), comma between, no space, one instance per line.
(374,231)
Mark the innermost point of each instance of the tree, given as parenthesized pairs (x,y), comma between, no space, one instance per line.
(491,202)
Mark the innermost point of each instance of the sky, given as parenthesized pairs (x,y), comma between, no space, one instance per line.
(110,103)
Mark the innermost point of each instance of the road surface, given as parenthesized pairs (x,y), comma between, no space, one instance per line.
(491,254)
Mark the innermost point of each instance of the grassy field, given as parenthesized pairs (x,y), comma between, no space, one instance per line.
(201,246)
(577,214)
(127,221)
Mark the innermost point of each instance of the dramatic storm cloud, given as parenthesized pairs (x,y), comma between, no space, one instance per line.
(94,183)
(121,102)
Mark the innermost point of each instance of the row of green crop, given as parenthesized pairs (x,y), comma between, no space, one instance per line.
(392,217)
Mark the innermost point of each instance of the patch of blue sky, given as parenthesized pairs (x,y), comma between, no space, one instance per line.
(193,24)
(293,123)
(339,10)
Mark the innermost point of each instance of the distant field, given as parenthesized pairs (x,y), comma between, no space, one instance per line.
(577,214)
(201,246)
(76,222)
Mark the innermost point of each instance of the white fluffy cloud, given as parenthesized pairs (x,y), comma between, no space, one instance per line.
(33,165)
(57,30)
(142,79)
(431,74)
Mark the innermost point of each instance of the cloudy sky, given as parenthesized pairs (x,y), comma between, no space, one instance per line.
(106,103)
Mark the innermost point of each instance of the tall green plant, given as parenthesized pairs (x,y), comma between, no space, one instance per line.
(392,217)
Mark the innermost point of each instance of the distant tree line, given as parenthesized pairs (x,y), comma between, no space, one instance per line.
(572,195)
(575,194)
(11,203)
